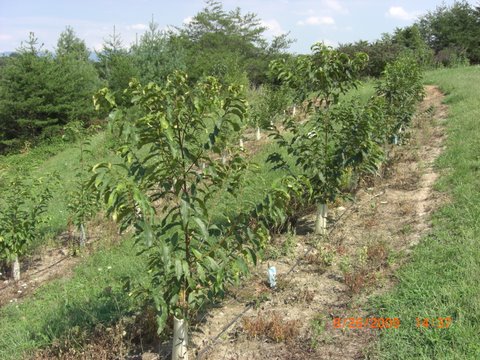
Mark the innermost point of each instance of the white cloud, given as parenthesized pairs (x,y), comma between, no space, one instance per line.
(137,27)
(317,20)
(273,27)
(398,12)
(187,20)
(335,5)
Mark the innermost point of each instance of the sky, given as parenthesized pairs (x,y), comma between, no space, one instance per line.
(308,21)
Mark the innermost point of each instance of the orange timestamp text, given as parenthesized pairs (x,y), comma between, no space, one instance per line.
(366,323)
(434,323)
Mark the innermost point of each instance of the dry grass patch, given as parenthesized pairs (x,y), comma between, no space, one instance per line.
(271,325)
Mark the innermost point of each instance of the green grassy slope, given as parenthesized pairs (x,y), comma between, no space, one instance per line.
(442,278)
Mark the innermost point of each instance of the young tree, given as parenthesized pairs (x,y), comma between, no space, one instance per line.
(21,214)
(319,79)
(162,190)
(82,203)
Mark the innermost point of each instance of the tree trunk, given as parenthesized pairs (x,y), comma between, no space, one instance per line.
(16,269)
(321,220)
(180,339)
(258,134)
(83,235)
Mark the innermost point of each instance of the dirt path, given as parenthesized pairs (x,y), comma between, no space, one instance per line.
(371,239)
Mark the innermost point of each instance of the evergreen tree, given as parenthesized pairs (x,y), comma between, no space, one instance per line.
(39,93)
(158,54)
(116,64)
(69,45)
(25,99)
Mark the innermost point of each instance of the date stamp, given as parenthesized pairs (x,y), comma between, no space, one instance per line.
(366,323)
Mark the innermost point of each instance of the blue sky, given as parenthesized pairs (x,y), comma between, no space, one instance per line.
(309,21)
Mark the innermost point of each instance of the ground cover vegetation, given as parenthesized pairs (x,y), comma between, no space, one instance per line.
(196,205)
(438,281)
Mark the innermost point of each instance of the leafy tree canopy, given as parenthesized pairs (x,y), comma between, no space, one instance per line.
(455,27)
(228,43)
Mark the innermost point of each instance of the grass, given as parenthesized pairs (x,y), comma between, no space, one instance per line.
(92,295)
(441,280)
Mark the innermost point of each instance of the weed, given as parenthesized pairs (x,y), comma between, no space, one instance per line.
(406,208)
(317,329)
(288,245)
(360,271)
(406,229)
(323,257)
(271,325)
(357,279)
(377,254)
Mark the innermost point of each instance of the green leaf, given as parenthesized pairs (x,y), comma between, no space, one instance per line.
(185,212)
(178,269)
(202,227)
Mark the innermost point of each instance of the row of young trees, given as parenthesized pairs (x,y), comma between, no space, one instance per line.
(171,174)
(171,136)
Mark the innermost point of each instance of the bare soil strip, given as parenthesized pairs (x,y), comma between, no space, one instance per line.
(373,238)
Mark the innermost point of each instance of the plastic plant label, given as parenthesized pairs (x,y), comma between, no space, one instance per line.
(272,277)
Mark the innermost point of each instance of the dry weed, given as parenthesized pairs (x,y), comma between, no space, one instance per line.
(271,325)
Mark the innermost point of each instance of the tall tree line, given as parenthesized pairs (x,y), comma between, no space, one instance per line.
(446,36)
(41,91)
